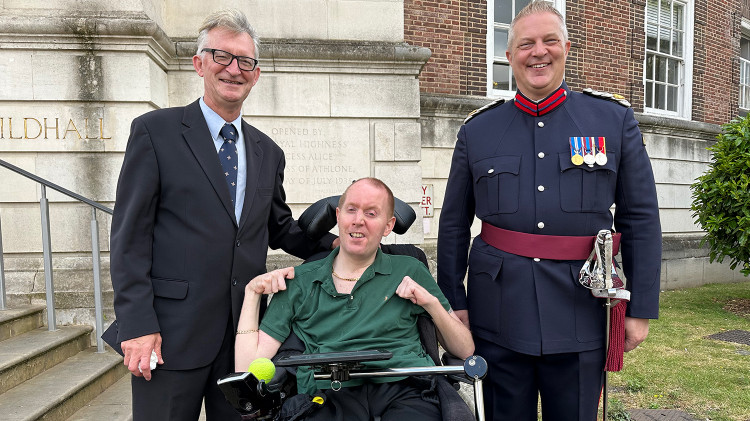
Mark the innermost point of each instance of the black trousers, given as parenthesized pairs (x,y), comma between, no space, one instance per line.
(176,395)
(568,384)
(396,401)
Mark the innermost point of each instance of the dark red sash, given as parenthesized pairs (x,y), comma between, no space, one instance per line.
(552,247)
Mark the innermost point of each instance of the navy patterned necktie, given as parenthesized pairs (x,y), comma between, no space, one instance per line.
(228,158)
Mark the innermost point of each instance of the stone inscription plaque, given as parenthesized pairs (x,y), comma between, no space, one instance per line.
(322,157)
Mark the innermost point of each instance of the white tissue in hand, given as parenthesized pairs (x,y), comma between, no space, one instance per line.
(152,364)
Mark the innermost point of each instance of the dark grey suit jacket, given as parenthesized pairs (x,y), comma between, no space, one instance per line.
(179,260)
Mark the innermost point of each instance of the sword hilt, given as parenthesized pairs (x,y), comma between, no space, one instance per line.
(604,250)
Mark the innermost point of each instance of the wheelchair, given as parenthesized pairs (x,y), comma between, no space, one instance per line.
(256,399)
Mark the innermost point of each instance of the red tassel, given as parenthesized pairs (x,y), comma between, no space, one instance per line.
(616,337)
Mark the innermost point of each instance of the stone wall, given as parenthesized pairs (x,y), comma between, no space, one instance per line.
(678,153)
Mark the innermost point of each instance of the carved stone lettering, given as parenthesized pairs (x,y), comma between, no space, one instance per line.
(321,161)
(49,128)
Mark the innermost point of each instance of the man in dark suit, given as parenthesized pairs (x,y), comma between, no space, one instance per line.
(542,172)
(189,231)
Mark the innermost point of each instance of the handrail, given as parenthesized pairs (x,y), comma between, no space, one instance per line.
(47,251)
(54,186)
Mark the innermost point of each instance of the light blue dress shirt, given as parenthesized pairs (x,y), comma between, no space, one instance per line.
(215,123)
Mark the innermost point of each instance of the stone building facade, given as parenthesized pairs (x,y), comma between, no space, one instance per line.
(338,92)
(349,88)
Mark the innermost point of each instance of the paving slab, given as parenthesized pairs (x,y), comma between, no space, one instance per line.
(114,404)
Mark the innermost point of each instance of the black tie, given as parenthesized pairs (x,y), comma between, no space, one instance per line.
(228,158)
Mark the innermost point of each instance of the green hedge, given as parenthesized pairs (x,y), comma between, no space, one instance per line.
(721,200)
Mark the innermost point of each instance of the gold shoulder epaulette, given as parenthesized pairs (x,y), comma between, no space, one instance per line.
(478,111)
(606,95)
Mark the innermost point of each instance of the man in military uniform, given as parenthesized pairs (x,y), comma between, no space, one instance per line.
(542,172)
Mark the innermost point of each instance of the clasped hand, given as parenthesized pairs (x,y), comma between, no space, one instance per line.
(409,289)
(138,354)
(271,282)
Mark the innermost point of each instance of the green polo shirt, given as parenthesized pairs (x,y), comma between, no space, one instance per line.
(372,316)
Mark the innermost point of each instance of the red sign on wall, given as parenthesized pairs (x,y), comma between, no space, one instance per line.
(427,205)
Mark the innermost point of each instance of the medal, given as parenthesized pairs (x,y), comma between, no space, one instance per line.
(575,151)
(588,155)
(601,154)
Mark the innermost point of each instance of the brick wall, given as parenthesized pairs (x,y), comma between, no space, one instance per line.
(455,32)
(607,49)
(716,67)
(474,64)
(606,52)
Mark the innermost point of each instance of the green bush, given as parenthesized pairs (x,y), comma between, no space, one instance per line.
(721,200)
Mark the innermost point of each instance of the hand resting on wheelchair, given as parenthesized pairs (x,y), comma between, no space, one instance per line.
(356,298)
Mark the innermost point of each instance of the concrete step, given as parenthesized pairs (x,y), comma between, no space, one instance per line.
(25,356)
(60,391)
(20,320)
(111,405)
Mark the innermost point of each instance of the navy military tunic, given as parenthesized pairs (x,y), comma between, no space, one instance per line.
(512,168)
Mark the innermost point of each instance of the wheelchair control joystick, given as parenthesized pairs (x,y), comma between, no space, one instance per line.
(252,398)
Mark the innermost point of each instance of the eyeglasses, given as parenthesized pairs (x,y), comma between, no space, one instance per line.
(225,59)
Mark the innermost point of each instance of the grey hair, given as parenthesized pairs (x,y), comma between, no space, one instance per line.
(537,6)
(232,20)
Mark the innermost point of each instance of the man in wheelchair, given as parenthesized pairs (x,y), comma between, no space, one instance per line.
(356,298)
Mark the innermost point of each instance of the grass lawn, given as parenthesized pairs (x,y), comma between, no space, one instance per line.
(677,367)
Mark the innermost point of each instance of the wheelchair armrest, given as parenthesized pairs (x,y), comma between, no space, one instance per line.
(450,359)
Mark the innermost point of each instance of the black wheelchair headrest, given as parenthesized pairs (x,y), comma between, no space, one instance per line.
(320,217)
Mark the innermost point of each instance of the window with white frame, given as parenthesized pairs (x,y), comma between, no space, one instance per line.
(667,67)
(499,15)
(745,73)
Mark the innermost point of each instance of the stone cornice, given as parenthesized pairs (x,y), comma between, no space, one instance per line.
(676,127)
(89,31)
(445,105)
(327,56)
(283,55)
